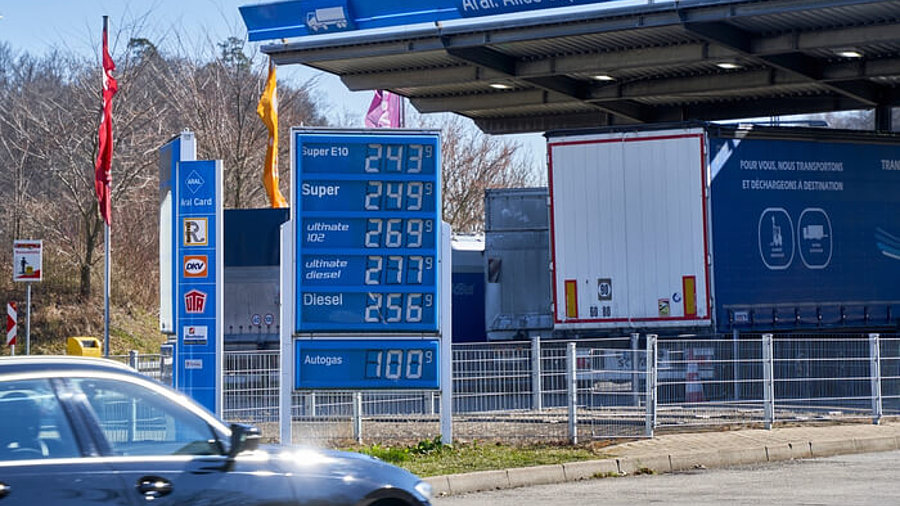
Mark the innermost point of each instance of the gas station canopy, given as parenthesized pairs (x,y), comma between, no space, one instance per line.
(537,65)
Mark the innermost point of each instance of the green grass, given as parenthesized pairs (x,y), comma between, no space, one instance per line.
(432,457)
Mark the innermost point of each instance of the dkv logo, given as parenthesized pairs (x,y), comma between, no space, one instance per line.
(195,302)
(196,266)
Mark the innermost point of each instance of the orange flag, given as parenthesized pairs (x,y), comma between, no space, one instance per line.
(268,112)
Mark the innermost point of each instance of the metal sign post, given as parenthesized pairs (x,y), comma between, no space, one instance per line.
(28,319)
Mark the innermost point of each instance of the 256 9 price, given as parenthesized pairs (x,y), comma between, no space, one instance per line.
(397,307)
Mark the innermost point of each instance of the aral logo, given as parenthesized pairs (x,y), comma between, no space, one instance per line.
(194,302)
(195,266)
(194,181)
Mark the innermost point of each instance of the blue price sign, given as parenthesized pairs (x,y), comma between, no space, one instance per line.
(367,230)
(352,364)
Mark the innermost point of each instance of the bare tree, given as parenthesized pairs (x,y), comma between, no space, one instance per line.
(473,162)
(217,99)
(858,120)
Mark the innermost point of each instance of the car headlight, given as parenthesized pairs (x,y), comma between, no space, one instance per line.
(424,488)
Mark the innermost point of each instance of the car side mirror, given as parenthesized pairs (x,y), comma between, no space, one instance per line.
(244,438)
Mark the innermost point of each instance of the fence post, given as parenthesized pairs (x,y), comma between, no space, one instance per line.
(650,371)
(133,359)
(357,417)
(736,356)
(536,385)
(635,364)
(768,356)
(311,404)
(572,392)
(875,373)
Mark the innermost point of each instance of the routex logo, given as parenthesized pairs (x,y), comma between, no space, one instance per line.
(196,266)
(195,302)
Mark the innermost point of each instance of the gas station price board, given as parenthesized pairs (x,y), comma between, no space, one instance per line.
(367,230)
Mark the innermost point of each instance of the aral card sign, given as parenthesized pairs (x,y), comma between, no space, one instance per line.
(196,240)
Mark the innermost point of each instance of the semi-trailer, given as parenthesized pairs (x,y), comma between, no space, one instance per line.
(716,228)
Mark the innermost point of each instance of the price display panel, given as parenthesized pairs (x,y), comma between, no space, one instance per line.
(375,364)
(367,221)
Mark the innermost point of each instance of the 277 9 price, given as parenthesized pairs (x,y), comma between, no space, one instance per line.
(397,307)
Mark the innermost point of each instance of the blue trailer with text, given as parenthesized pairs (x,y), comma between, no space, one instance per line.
(725,228)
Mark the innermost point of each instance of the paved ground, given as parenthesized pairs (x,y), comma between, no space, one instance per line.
(866,480)
(686,452)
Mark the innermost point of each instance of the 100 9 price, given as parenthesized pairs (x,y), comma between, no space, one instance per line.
(397,364)
(397,307)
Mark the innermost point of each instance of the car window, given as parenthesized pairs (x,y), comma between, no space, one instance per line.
(32,422)
(139,421)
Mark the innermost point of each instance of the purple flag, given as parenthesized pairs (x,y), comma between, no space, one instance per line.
(384,111)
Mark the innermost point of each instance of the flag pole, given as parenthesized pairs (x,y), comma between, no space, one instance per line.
(106,242)
(106,296)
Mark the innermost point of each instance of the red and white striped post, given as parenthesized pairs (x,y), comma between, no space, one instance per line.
(12,318)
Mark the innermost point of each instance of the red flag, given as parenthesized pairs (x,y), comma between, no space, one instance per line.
(102,171)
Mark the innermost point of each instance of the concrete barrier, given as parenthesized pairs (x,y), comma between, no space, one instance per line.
(478,481)
(590,469)
(538,475)
(637,465)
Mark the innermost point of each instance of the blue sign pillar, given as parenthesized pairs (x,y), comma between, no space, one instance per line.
(191,274)
(199,293)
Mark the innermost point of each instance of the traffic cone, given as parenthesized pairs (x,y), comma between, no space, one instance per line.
(693,388)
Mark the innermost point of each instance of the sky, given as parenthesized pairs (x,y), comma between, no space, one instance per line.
(36,26)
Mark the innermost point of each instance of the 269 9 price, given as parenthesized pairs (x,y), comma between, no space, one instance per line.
(397,307)
(397,232)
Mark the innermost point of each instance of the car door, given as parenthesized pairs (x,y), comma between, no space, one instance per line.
(42,461)
(168,451)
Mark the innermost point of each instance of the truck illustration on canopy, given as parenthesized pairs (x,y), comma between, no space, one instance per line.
(325,18)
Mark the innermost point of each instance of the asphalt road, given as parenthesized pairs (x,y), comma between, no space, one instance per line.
(865,479)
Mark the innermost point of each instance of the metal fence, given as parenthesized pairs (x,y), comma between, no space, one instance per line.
(549,391)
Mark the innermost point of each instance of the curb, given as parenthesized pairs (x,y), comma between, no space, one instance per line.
(454,484)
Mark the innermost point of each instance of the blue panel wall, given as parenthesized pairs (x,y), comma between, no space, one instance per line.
(806,233)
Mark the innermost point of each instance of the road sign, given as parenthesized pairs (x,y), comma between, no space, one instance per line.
(27,260)
(367,229)
(12,317)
